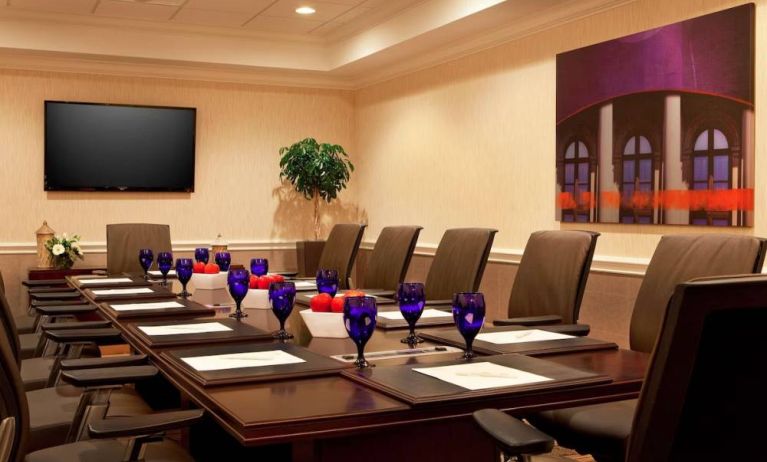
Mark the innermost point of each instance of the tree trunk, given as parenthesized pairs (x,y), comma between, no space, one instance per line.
(316,215)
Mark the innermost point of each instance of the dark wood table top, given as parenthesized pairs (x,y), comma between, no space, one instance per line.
(310,408)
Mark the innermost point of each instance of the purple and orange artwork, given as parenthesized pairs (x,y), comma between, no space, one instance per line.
(658,127)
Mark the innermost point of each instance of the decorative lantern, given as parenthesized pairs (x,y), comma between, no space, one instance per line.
(44,233)
(219,245)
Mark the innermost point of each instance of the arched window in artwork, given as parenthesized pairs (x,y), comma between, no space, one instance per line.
(577,182)
(711,171)
(637,182)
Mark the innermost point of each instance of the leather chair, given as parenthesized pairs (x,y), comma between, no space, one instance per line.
(340,251)
(549,285)
(703,396)
(391,257)
(25,324)
(459,263)
(126,239)
(602,430)
(16,423)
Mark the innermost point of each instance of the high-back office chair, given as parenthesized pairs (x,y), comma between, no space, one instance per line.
(124,240)
(340,251)
(391,257)
(703,396)
(459,262)
(25,324)
(551,279)
(17,437)
(602,430)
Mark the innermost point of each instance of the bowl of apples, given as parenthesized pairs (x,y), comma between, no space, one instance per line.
(208,276)
(325,317)
(258,292)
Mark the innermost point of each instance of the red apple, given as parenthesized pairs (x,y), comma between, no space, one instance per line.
(337,305)
(321,303)
(278,277)
(212,268)
(354,293)
(263,282)
(253,283)
(198,267)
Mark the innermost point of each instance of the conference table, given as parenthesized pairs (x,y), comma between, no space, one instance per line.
(333,418)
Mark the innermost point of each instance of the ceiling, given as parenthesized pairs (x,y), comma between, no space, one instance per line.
(345,44)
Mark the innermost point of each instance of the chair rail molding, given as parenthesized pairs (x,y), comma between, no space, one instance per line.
(96,247)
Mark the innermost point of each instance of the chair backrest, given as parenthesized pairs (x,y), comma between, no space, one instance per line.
(703,397)
(459,262)
(340,251)
(8,328)
(391,256)
(552,275)
(2,283)
(678,259)
(124,240)
(13,401)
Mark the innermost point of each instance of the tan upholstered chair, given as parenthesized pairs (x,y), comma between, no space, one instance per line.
(126,239)
(551,279)
(703,397)
(603,429)
(340,251)
(391,256)
(459,263)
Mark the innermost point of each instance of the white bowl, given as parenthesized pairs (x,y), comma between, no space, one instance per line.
(324,324)
(257,298)
(209,281)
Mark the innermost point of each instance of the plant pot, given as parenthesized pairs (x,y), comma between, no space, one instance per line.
(63,264)
(308,257)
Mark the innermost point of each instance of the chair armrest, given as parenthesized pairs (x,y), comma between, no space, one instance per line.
(66,310)
(448,303)
(76,325)
(106,376)
(46,290)
(530,321)
(44,282)
(43,303)
(57,295)
(579,330)
(121,427)
(109,361)
(513,436)
(98,336)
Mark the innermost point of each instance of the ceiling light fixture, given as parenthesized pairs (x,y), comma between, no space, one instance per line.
(305,10)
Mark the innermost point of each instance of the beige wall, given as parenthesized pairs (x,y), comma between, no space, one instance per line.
(472,142)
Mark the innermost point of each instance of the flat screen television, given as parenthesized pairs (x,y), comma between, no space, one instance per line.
(111,147)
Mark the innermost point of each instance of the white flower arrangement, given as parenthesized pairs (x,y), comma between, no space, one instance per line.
(64,250)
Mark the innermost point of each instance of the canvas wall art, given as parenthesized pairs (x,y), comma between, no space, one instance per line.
(658,127)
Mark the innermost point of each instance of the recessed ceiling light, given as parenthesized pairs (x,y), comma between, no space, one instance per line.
(305,10)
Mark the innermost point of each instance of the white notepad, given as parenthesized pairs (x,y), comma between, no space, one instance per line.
(146,306)
(520,336)
(481,375)
(305,285)
(159,274)
(104,281)
(430,313)
(242,360)
(138,290)
(181,329)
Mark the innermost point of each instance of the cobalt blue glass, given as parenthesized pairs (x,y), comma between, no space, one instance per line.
(360,322)
(145,259)
(238,280)
(223,260)
(184,270)
(201,254)
(259,266)
(164,263)
(411,298)
(327,281)
(469,315)
(281,296)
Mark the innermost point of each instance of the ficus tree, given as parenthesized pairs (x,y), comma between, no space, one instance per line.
(318,171)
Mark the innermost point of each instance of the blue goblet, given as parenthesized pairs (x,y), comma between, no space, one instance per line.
(327,281)
(201,254)
(164,263)
(469,315)
(259,266)
(412,298)
(184,270)
(360,322)
(145,259)
(238,280)
(224,260)
(281,296)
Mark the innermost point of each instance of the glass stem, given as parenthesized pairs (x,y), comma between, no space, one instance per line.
(360,353)
(282,325)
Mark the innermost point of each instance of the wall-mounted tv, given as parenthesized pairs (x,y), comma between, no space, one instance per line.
(110,147)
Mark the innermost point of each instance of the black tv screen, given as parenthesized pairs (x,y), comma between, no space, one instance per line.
(115,147)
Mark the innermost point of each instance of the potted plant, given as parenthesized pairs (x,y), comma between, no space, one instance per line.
(64,250)
(318,171)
